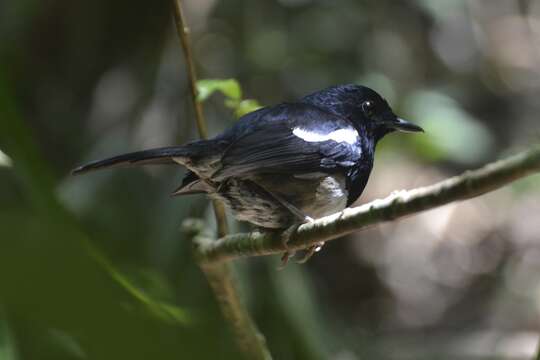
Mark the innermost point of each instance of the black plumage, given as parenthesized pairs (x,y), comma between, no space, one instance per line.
(284,164)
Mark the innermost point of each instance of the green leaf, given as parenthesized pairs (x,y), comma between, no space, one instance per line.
(231,103)
(246,106)
(152,290)
(228,87)
(67,343)
(162,309)
(5,160)
(232,91)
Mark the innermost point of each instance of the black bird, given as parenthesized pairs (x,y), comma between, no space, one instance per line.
(285,164)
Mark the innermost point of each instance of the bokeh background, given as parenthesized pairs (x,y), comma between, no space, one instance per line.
(97,267)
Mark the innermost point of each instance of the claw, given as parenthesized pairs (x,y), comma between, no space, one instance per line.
(285,237)
(310,252)
(285,259)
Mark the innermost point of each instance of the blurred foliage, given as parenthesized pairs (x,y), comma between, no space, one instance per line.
(4,159)
(232,91)
(72,293)
(96,267)
(8,349)
(229,87)
(453,133)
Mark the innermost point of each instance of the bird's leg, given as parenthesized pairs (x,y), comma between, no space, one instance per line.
(287,233)
(286,236)
(310,251)
(285,259)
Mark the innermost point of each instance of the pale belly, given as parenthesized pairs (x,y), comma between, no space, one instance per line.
(266,200)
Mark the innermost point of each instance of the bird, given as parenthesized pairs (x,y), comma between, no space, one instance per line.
(286,164)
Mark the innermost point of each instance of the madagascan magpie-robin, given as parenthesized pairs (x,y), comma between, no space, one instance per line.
(285,164)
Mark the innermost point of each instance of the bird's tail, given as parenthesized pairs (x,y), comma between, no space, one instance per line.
(164,155)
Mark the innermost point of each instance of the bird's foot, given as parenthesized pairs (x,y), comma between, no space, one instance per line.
(286,236)
(285,259)
(310,251)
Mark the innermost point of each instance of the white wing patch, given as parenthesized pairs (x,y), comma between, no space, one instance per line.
(348,135)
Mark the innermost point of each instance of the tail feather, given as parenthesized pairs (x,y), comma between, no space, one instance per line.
(192,184)
(163,155)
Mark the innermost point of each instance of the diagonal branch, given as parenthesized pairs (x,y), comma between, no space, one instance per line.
(468,185)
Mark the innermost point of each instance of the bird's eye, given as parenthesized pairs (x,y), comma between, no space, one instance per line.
(368,107)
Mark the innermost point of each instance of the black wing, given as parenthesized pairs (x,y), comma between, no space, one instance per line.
(291,139)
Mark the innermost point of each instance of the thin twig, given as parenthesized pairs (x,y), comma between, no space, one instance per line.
(468,185)
(183,34)
(219,276)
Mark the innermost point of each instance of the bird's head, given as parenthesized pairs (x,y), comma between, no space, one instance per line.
(364,107)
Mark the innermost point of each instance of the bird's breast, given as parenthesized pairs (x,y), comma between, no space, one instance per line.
(330,196)
(315,194)
(260,200)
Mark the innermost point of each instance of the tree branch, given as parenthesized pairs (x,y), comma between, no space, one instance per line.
(400,204)
(219,276)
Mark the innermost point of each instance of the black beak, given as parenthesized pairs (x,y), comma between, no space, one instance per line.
(404,125)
